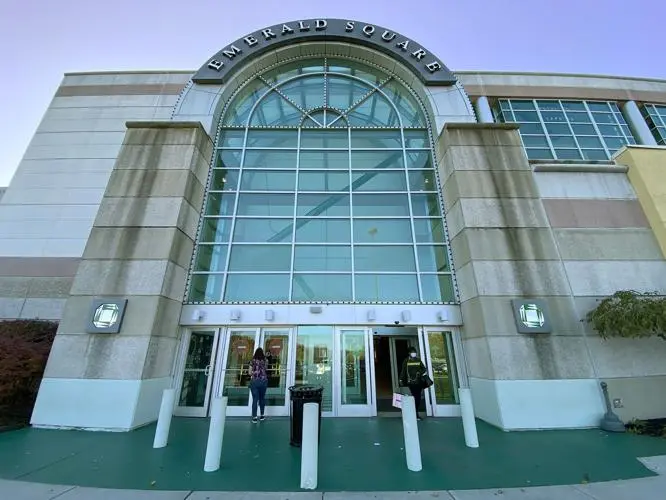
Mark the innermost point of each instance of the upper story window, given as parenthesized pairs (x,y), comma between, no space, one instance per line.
(655,116)
(567,130)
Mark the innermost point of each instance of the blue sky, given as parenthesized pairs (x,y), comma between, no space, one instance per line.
(41,40)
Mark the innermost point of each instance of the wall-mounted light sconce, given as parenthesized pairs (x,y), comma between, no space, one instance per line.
(406,316)
(443,315)
(235,315)
(106,315)
(269,315)
(198,315)
(371,315)
(316,309)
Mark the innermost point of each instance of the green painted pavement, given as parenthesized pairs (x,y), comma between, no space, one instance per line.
(355,455)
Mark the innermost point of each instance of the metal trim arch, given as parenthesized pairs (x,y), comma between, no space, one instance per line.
(222,66)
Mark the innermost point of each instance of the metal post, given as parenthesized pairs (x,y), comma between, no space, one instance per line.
(469,421)
(610,421)
(218,415)
(310,446)
(411,432)
(164,418)
(483,111)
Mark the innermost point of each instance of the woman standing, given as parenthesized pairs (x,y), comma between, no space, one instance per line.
(258,384)
(411,376)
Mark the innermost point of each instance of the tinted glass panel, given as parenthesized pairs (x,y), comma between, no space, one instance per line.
(384,259)
(323,230)
(263,230)
(425,205)
(433,258)
(323,181)
(324,160)
(228,158)
(270,158)
(416,139)
(324,139)
(384,205)
(220,203)
(437,288)
(387,287)
(364,160)
(211,258)
(260,258)
(215,230)
(422,180)
(268,180)
(232,138)
(206,287)
(261,138)
(224,180)
(324,205)
(429,230)
(257,287)
(272,205)
(322,258)
(309,287)
(382,231)
(367,139)
(379,181)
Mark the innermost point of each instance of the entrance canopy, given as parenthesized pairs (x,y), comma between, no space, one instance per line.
(429,69)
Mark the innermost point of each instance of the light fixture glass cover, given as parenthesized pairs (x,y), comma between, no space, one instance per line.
(106,315)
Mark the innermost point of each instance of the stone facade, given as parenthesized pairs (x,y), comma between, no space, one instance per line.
(139,248)
(561,234)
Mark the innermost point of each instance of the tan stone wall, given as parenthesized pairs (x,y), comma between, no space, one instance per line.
(503,248)
(139,248)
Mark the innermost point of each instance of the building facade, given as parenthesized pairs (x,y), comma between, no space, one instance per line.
(328,190)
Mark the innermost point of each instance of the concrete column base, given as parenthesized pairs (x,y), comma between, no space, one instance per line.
(98,404)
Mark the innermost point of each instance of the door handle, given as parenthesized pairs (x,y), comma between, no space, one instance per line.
(207,370)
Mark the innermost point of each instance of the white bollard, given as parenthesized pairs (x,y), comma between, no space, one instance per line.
(164,418)
(411,431)
(310,446)
(469,422)
(218,414)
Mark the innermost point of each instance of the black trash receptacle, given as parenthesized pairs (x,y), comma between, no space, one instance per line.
(301,394)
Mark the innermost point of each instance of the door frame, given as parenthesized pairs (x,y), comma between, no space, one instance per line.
(435,409)
(352,410)
(259,338)
(179,371)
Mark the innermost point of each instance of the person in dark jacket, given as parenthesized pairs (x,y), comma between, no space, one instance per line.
(411,375)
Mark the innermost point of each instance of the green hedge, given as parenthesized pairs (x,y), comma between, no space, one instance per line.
(24,349)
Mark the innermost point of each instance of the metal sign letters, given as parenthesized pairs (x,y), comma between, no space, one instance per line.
(222,65)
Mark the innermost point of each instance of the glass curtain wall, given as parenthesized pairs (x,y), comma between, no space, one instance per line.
(567,130)
(655,116)
(323,189)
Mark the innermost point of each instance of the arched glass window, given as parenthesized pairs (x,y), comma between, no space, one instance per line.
(323,189)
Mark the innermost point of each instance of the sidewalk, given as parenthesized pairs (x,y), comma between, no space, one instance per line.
(652,488)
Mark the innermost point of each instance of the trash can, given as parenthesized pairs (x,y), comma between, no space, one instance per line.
(301,394)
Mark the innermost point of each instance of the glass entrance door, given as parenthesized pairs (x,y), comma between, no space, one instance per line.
(241,344)
(353,396)
(440,347)
(197,361)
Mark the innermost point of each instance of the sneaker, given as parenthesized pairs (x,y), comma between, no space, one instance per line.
(254,420)
(262,418)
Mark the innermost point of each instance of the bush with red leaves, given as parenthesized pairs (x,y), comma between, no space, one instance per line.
(24,349)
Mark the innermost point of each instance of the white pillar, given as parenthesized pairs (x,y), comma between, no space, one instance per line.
(483,112)
(218,413)
(164,418)
(310,446)
(411,431)
(637,124)
(469,422)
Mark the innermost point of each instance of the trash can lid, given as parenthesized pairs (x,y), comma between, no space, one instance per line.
(305,389)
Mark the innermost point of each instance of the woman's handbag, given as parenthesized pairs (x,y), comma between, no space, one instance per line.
(427,381)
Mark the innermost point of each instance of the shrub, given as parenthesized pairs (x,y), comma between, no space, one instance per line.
(24,349)
(630,314)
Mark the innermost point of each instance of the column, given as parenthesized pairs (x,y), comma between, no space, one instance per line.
(483,111)
(139,249)
(637,124)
